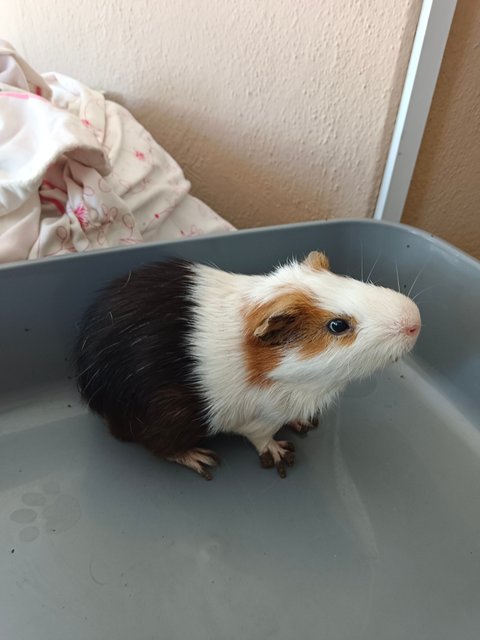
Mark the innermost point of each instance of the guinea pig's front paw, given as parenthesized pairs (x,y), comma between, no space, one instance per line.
(278,453)
(303,427)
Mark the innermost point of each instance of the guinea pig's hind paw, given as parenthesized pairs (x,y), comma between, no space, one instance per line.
(279,454)
(302,427)
(199,460)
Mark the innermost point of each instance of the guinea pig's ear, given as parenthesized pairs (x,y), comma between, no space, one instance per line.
(277,329)
(317,261)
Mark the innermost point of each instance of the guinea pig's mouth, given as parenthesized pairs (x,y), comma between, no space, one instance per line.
(406,348)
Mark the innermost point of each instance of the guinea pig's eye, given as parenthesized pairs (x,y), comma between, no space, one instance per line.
(338,326)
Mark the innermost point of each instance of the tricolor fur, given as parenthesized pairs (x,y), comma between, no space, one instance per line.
(176,351)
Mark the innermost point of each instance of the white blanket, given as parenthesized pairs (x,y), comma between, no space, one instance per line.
(78,172)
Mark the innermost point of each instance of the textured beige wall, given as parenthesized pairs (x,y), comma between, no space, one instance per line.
(444,196)
(278,110)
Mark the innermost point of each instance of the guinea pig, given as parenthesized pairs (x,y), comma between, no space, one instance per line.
(175,352)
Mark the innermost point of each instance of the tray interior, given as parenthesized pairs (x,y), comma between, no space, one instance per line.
(374,534)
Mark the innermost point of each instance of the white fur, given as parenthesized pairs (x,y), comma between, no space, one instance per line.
(299,387)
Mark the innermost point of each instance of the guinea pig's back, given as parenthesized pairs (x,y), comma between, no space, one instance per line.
(134,337)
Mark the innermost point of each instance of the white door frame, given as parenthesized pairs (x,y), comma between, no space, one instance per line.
(427,52)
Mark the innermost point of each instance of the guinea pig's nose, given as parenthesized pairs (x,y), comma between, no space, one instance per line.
(411,330)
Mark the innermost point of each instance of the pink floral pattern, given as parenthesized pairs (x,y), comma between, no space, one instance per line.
(81,213)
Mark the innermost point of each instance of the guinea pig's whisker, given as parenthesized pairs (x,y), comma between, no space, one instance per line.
(415,281)
(423,291)
(413,284)
(361,260)
(398,278)
(371,270)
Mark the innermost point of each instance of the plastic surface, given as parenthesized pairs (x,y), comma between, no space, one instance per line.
(374,534)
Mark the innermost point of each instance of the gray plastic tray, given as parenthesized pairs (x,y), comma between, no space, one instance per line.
(375,534)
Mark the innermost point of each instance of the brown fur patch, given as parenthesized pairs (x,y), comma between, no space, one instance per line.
(291,320)
(317,261)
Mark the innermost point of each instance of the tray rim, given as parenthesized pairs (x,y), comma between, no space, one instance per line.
(315,224)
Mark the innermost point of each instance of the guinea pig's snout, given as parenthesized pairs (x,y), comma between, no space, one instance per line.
(411,330)
(411,323)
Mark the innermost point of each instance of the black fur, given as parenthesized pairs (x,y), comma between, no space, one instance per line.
(133,363)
